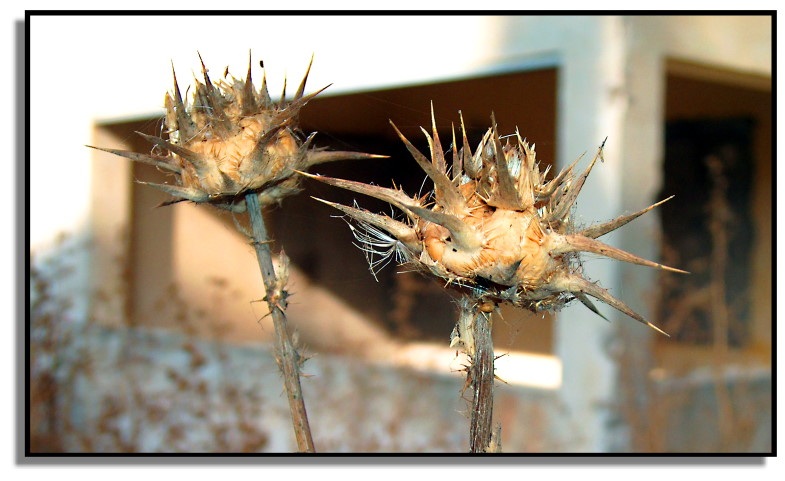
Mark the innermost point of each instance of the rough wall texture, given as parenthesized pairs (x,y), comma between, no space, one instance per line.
(143,391)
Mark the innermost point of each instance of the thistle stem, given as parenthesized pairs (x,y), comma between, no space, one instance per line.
(481,374)
(288,357)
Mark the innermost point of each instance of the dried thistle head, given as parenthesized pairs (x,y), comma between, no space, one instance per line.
(493,224)
(228,139)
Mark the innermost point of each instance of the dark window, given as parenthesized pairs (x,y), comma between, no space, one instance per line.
(708,230)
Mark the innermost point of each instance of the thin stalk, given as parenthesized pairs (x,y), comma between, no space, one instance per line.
(481,374)
(287,356)
(719,219)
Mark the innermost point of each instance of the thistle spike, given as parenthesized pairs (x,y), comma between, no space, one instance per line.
(316,157)
(392,196)
(263,92)
(437,154)
(178,97)
(294,107)
(200,163)
(547,191)
(186,193)
(473,163)
(211,95)
(529,174)
(249,105)
(466,150)
(579,285)
(207,81)
(157,161)
(579,243)
(399,230)
(301,88)
(457,161)
(588,303)
(307,145)
(214,101)
(506,196)
(445,191)
(602,229)
(282,102)
(184,123)
(565,203)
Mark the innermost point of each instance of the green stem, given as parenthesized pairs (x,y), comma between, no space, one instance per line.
(288,357)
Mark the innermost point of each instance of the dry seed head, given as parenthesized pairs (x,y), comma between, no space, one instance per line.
(494,225)
(228,139)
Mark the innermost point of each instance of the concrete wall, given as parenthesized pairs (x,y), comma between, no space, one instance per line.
(151,391)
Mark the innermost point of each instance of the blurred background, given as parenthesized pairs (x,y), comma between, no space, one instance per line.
(145,326)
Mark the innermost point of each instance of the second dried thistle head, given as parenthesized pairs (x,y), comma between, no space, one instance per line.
(493,225)
(229,139)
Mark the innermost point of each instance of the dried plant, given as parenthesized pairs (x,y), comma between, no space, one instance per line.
(229,140)
(496,229)
(72,410)
(727,406)
(232,147)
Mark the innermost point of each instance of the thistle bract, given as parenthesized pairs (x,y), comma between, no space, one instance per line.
(494,224)
(229,139)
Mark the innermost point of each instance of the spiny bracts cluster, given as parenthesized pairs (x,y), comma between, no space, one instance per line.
(493,225)
(229,139)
